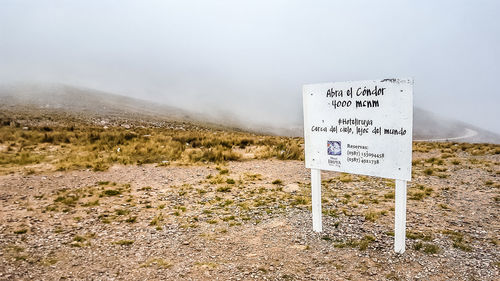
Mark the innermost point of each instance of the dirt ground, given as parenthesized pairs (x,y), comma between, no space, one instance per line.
(247,220)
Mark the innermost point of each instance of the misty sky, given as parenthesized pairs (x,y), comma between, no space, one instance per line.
(251,58)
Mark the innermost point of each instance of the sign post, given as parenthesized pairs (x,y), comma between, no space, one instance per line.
(316,199)
(400,217)
(360,127)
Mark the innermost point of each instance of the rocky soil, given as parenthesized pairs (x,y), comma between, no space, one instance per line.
(248,220)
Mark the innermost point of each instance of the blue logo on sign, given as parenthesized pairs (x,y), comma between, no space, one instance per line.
(334,147)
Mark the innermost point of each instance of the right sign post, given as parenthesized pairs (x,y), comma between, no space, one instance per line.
(360,127)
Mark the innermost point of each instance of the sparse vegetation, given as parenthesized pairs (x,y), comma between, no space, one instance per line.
(156,220)
(419,236)
(94,147)
(224,189)
(346,178)
(21,231)
(156,262)
(362,244)
(124,242)
(443,206)
(252,177)
(131,219)
(121,212)
(389,195)
(429,171)
(277,182)
(459,240)
(427,248)
(111,192)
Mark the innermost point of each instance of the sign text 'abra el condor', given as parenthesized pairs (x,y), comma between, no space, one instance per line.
(359,127)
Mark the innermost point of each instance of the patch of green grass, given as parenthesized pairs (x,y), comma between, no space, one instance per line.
(182,208)
(21,258)
(462,246)
(230,181)
(91,203)
(131,219)
(217,180)
(419,235)
(458,239)
(277,182)
(79,238)
(330,212)
(346,178)
(417,195)
(446,155)
(224,189)
(21,231)
(252,177)
(299,200)
(427,248)
(431,160)
(156,220)
(326,238)
(226,203)
(228,218)
(124,242)
(389,195)
(122,212)
(104,218)
(444,206)
(68,200)
(371,215)
(111,192)
(362,244)
(48,261)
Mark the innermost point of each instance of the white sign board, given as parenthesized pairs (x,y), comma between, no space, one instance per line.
(360,127)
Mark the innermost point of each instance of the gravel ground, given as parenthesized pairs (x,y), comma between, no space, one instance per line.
(193,222)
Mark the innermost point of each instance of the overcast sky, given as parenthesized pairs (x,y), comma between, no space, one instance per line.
(251,58)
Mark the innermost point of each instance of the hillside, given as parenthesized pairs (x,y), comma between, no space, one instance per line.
(105,108)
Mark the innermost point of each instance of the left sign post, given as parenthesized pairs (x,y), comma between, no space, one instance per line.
(316,199)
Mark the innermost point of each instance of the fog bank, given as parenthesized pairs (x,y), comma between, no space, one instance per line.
(249,60)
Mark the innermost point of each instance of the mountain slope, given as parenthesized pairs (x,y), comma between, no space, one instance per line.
(115,108)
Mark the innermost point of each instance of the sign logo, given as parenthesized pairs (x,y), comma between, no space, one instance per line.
(334,147)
